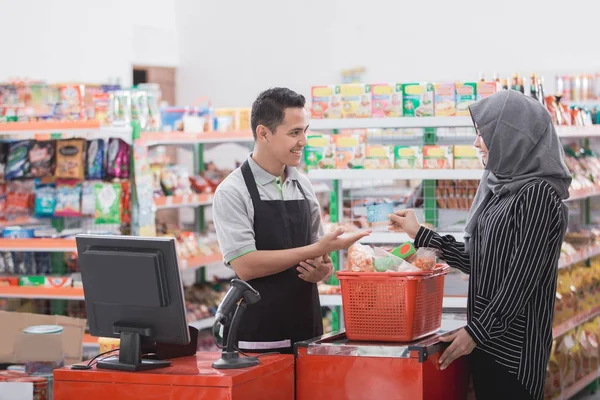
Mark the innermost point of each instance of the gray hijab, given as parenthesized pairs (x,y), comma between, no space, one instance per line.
(522,146)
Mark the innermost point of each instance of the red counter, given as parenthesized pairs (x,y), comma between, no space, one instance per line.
(187,378)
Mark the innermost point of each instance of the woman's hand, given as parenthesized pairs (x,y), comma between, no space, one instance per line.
(404,221)
(461,345)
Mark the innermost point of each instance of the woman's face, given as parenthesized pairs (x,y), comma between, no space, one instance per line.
(480,144)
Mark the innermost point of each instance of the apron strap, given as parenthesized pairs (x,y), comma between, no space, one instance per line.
(250,182)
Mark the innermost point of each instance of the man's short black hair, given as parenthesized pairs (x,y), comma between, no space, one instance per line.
(269,107)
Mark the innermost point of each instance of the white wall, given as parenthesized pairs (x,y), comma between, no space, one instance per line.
(230,50)
(90,41)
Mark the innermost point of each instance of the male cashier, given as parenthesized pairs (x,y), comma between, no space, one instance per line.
(268,224)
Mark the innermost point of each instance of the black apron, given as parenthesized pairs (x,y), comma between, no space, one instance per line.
(289,308)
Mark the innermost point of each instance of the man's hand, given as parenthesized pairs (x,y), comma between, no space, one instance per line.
(462,345)
(315,271)
(334,241)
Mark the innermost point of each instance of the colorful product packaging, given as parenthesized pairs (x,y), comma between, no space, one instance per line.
(418,99)
(466,94)
(466,157)
(17,165)
(326,102)
(41,158)
(32,280)
(408,157)
(45,198)
(486,89)
(3,159)
(95,159)
(445,99)
(437,157)
(68,198)
(108,203)
(356,100)
(118,159)
(58,282)
(70,155)
(319,152)
(379,157)
(350,151)
(387,100)
(88,198)
(72,105)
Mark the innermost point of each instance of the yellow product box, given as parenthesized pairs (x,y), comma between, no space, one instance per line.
(466,157)
(355,99)
(445,99)
(379,157)
(387,100)
(326,102)
(486,89)
(437,157)
(408,157)
(244,119)
(319,152)
(466,94)
(232,119)
(350,151)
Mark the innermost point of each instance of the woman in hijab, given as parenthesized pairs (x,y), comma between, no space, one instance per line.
(512,245)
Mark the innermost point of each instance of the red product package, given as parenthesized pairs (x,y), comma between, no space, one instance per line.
(20,198)
(125,202)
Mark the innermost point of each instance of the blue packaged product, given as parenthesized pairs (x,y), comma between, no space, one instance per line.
(17,164)
(17,232)
(95,159)
(45,198)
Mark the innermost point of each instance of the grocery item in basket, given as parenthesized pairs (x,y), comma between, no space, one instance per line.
(405,251)
(326,103)
(95,159)
(418,99)
(425,259)
(379,157)
(355,99)
(319,152)
(387,100)
(408,157)
(379,212)
(384,262)
(486,89)
(41,158)
(70,156)
(45,198)
(118,159)
(350,151)
(17,164)
(466,157)
(108,203)
(360,258)
(68,198)
(445,99)
(466,94)
(437,157)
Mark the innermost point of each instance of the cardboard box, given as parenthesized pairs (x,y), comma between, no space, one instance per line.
(18,347)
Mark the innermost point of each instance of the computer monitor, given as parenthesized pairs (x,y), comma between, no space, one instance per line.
(133,291)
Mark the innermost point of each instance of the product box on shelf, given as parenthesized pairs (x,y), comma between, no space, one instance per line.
(486,89)
(32,281)
(418,99)
(326,102)
(355,99)
(445,99)
(437,157)
(387,100)
(319,152)
(379,157)
(466,157)
(466,94)
(408,157)
(350,151)
(58,282)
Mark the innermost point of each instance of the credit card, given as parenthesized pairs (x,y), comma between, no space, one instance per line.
(379,212)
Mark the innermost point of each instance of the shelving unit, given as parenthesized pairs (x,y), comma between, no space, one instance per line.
(395,174)
(403,122)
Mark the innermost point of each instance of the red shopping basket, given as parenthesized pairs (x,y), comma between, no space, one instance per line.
(392,306)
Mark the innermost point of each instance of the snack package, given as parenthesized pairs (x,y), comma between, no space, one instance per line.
(387,100)
(2,201)
(120,107)
(360,258)
(408,157)
(355,99)
(379,157)
(101,108)
(445,99)
(41,159)
(68,198)
(95,159)
(425,259)
(437,157)
(405,251)
(118,159)
(19,198)
(486,89)
(45,198)
(3,159)
(17,164)
(350,151)
(70,156)
(108,203)
(384,261)
(72,106)
(325,103)
(319,152)
(466,94)
(466,157)
(88,198)
(418,99)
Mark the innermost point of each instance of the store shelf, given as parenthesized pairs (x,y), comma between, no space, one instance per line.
(578,131)
(38,245)
(578,386)
(204,323)
(575,321)
(581,256)
(395,174)
(89,130)
(583,196)
(175,138)
(188,200)
(200,261)
(406,122)
(49,126)
(40,292)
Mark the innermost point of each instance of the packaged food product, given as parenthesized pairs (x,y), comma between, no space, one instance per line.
(95,159)
(553,385)
(19,198)
(88,198)
(379,157)
(118,159)
(326,102)
(17,165)
(140,110)
(437,157)
(387,100)
(466,94)
(3,200)
(466,157)
(3,159)
(425,259)
(101,107)
(350,151)
(108,203)
(72,106)
(355,99)
(486,89)
(445,99)
(175,180)
(41,158)
(405,251)
(70,156)
(319,152)
(384,262)
(68,198)
(45,198)
(418,99)
(360,258)
(120,107)
(408,157)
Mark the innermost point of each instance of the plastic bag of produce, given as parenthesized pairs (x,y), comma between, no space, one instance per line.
(384,261)
(360,258)
(425,259)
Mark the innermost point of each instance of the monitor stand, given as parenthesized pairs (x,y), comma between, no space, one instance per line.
(130,353)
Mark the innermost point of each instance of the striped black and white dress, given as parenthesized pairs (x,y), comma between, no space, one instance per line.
(513,267)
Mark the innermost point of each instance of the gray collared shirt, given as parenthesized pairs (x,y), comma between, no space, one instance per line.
(233,212)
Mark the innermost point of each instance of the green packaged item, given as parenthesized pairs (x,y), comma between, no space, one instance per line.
(418,99)
(108,203)
(405,250)
(319,152)
(32,280)
(382,264)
